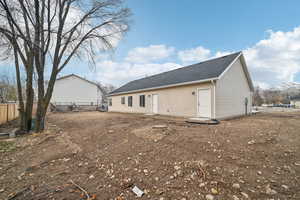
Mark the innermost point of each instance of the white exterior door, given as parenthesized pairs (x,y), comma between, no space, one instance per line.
(204,103)
(155,103)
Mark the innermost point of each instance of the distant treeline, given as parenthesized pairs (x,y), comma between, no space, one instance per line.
(274,96)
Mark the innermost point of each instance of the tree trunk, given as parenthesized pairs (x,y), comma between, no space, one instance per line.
(20,95)
(39,65)
(40,117)
(44,100)
(29,97)
(41,107)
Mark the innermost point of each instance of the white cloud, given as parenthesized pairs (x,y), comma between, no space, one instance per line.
(262,85)
(271,61)
(150,53)
(194,55)
(118,73)
(222,53)
(275,59)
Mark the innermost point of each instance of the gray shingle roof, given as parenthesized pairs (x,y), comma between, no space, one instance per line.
(201,71)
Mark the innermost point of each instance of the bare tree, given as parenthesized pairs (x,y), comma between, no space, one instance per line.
(273,96)
(8,91)
(257,99)
(96,27)
(107,88)
(54,31)
(15,40)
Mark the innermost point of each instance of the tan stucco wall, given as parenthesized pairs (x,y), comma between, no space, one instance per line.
(231,91)
(175,101)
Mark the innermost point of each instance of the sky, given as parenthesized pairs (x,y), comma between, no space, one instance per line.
(168,34)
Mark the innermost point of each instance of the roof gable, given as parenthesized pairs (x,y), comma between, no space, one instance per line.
(207,70)
(242,60)
(76,76)
(83,79)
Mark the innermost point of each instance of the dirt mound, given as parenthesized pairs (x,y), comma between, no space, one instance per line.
(153,132)
(107,154)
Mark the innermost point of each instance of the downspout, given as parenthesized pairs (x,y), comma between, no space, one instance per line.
(214,101)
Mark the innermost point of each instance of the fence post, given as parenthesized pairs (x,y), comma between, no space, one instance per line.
(14,111)
(7,112)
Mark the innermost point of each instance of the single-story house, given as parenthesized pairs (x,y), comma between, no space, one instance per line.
(75,90)
(218,88)
(295,101)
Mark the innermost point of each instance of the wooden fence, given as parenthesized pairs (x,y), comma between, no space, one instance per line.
(8,112)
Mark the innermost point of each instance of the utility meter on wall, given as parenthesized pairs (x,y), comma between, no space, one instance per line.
(246,104)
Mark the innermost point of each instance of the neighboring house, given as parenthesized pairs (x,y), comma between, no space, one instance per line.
(295,101)
(218,88)
(75,90)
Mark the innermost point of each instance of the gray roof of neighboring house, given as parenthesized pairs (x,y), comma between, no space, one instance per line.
(201,71)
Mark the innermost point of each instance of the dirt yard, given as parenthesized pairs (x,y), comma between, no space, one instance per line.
(107,154)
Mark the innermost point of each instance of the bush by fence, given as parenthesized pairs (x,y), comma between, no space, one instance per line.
(8,112)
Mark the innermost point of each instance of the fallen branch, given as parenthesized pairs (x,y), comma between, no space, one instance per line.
(83,190)
(202,172)
(15,195)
